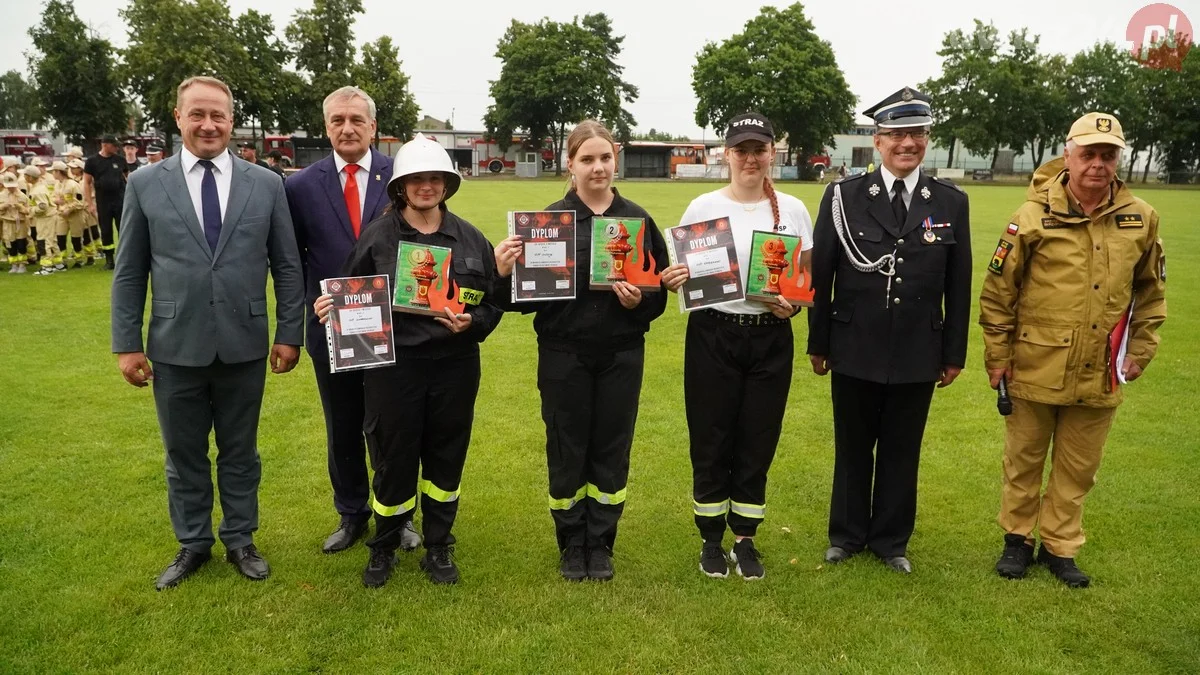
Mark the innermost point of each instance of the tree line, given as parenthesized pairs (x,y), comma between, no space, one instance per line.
(992,93)
(996,93)
(82,86)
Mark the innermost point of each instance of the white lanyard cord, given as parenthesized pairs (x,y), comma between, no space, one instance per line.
(885,265)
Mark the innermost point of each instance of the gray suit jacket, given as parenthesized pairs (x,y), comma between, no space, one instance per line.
(205,305)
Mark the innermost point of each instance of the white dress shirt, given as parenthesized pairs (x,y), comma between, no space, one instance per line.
(361,178)
(193,173)
(910,184)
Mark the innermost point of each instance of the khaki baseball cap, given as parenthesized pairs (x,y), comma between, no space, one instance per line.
(1097,127)
(58,166)
(8,180)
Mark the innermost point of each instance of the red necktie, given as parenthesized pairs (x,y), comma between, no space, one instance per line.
(351,195)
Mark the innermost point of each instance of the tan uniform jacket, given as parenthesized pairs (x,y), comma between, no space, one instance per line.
(1059,282)
(13,205)
(41,205)
(71,210)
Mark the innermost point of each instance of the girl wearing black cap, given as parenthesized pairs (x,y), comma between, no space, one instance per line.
(590,361)
(737,365)
(419,412)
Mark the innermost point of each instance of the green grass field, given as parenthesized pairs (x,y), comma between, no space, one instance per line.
(84,528)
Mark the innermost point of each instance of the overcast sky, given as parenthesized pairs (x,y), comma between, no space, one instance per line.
(448,48)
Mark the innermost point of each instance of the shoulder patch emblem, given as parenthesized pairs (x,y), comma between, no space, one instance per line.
(1013,227)
(1129,220)
(998,258)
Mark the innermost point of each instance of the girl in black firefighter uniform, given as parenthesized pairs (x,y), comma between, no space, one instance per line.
(419,411)
(737,364)
(590,361)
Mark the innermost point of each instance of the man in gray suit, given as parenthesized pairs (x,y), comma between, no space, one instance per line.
(196,225)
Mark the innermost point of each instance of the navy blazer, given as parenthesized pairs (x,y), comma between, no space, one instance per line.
(323,230)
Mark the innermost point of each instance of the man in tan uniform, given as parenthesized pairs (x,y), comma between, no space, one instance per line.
(1076,255)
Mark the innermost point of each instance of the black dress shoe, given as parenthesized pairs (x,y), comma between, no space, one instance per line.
(185,564)
(247,561)
(409,539)
(837,554)
(898,563)
(348,532)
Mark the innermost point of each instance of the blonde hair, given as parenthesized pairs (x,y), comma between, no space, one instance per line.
(203,79)
(586,130)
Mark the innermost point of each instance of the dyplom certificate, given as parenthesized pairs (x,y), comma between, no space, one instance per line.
(425,281)
(621,252)
(774,269)
(545,269)
(708,250)
(359,330)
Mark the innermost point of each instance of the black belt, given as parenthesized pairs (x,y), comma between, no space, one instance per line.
(766,319)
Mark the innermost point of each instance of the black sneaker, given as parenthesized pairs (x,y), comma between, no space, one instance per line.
(746,557)
(1017,557)
(1063,568)
(573,563)
(379,568)
(599,564)
(712,560)
(438,563)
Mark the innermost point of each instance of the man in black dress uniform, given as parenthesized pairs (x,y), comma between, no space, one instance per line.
(892,274)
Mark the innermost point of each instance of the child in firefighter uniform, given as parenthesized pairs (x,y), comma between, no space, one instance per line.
(591,355)
(89,230)
(45,217)
(419,411)
(737,363)
(1080,259)
(14,219)
(68,202)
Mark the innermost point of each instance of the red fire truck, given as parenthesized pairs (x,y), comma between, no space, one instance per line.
(18,143)
(488,156)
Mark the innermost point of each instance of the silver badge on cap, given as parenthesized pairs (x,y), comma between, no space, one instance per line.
(907,95)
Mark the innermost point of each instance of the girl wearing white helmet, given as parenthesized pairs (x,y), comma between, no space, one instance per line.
(591,356)
(419,411)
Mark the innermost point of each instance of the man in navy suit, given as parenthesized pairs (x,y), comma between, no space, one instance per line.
(331,202)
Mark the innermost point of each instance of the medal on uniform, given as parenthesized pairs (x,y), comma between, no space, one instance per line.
(929,236)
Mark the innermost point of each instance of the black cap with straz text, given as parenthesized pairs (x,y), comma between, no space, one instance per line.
(749,127)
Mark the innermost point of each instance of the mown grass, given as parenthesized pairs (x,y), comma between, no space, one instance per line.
(84,527)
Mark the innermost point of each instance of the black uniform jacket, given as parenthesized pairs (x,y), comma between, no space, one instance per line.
(909,334)
(474,267)
(595,321)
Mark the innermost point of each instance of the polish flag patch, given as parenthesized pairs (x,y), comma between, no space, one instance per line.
(1012,228)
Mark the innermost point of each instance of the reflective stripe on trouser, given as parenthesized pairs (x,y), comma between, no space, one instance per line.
(589,407)
(735,383)
(417,422)
(1078,434)
(758,511)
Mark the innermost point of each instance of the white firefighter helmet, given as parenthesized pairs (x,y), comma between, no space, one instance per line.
(417,156)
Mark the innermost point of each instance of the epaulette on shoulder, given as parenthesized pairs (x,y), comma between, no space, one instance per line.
(943,181)
(847,179)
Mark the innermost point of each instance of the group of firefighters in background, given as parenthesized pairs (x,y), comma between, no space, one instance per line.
(49,219)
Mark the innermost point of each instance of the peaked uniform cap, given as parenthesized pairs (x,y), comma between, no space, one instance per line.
(905,108)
